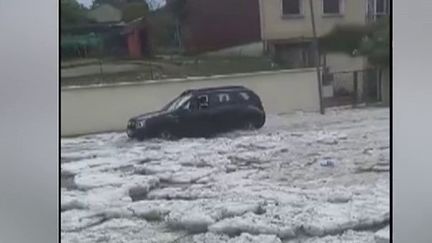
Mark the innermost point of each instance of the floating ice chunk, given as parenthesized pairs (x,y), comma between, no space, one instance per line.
(151,213)
(330,218)
(339,197)
(69,204)
(204,180)
(74,220)
(72,200)
(141,186)
(383,235)
(210,238)
(248,238)
(112,213)
(86,181)
(231,209)
(182,193)
(330,138)
(253,224)
(189,176)
(195,221)
(346,237)
(243,238)
(156,169)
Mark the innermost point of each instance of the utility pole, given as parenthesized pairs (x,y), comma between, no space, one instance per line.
(317,57)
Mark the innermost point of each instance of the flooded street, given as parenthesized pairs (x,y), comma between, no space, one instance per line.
(301,178)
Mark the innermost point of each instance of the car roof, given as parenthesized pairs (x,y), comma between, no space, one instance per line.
(215,89)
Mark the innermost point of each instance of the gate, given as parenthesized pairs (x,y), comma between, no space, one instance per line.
(361,87)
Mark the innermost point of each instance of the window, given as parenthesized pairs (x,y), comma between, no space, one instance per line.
(245,96)
(177,103)
(203,102)
(381,6)
(332,6)
(291,7)
(187,106)
(223,98)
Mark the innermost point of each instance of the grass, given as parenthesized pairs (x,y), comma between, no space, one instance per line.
(176,67)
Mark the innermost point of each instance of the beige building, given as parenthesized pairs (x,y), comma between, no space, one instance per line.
(286,27)
(286,30)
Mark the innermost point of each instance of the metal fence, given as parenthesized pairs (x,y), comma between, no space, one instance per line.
(361,87)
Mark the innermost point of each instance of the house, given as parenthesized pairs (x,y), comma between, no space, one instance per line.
(286,27)
(286,30)
(119,39)
(216,24)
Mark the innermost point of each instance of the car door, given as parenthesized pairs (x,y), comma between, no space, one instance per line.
(194,117)
(204,123)
(224,114)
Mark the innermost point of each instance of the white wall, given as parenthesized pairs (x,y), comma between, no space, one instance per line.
(107,108)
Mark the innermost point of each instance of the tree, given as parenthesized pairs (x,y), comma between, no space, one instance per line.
(134,11)
(162,26)
(371,41)
(179,11)
(114,3)
(177,8)
(152,4)
(72,13)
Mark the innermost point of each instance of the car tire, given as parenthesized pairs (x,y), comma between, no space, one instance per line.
(166,135)
(249,125)
(260,123)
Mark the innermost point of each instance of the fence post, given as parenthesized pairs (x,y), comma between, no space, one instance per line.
(379,88)
(355,93)
(318,58)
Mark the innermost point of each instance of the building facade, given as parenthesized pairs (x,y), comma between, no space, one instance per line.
(286,29)
(287,33)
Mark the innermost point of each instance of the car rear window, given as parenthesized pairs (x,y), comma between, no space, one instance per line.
(244,96)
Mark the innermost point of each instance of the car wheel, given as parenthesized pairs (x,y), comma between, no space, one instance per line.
(249,125)
(166,135)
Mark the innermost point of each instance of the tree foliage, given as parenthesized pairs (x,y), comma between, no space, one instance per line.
(110,2)
(178,8)
(72,13)
(371,41)
(152,4)
(134,11)
(162,25)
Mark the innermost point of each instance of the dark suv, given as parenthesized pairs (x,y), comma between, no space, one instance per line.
(201,113)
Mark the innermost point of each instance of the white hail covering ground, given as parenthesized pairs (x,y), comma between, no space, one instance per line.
(302,178)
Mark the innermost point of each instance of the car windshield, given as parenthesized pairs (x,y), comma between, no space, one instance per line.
(177,103)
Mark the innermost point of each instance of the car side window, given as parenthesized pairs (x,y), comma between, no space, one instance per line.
(203,102)
(224,98)
(187,106)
